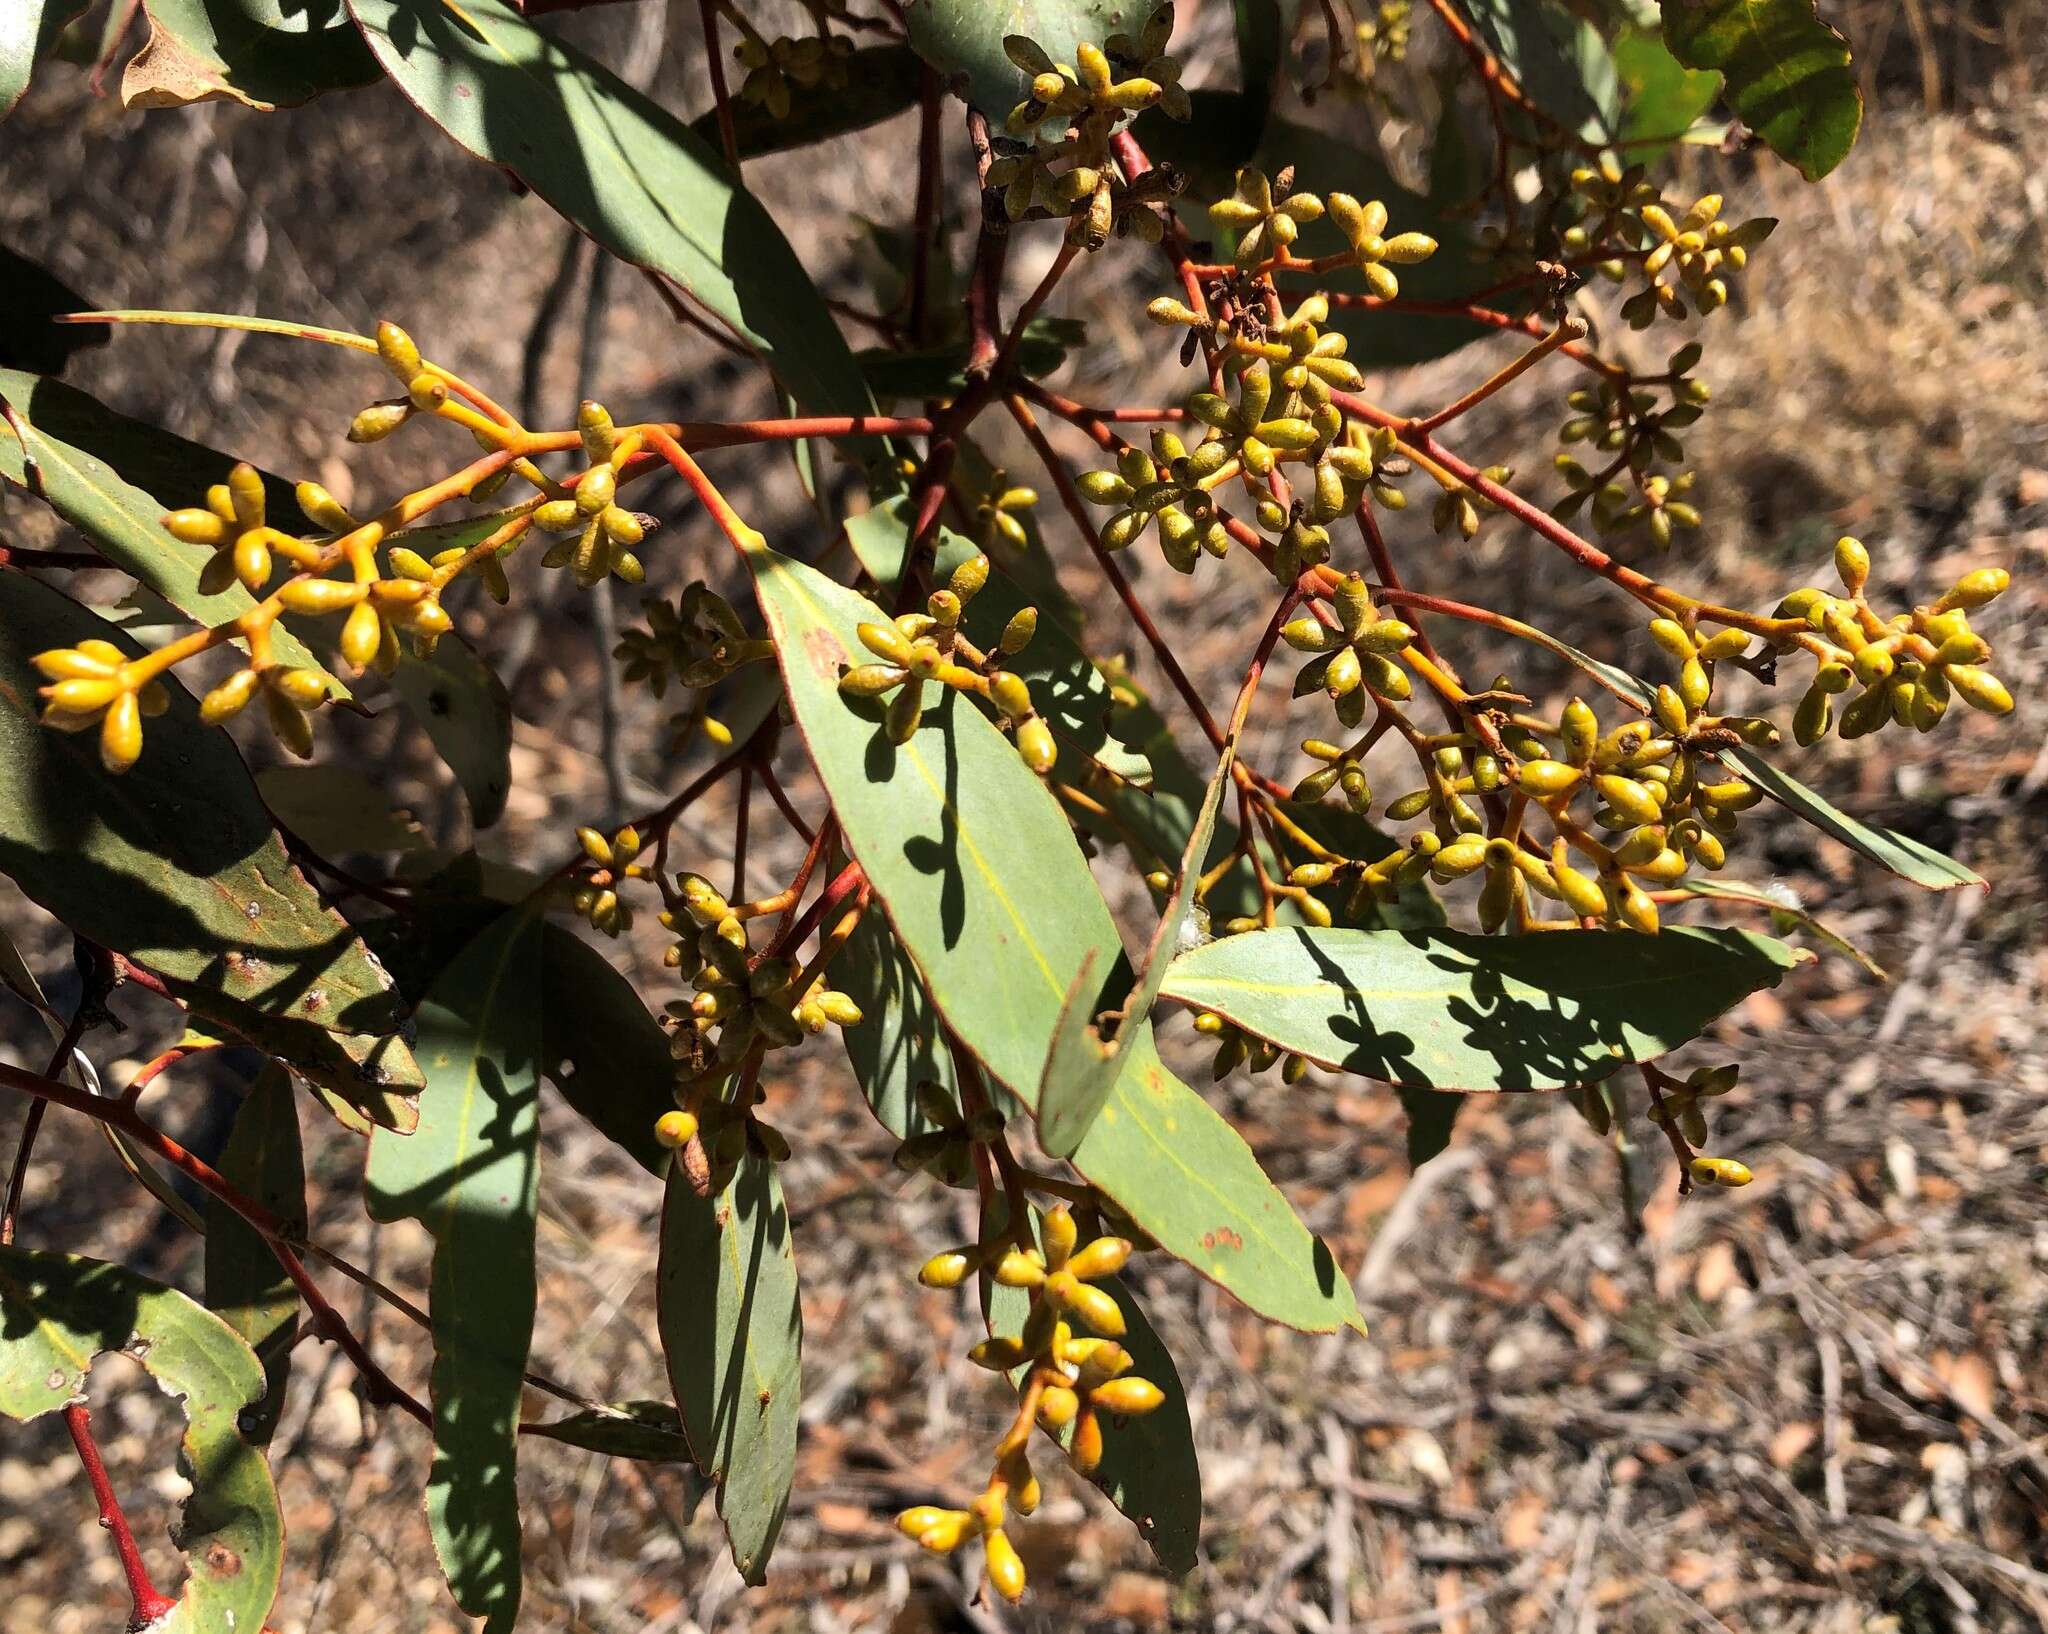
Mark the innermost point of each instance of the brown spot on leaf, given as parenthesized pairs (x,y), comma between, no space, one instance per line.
(823,651)
(1222,1237)
(222,1561)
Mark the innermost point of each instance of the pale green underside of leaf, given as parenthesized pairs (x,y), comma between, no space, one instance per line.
(62,1311)
(1457,1011)
(732,1331)
(987,890)
(176,865)
(469,1174)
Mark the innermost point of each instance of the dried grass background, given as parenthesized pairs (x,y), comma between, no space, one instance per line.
(1817,1404)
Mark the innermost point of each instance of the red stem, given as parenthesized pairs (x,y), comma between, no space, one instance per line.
(150,1604)
(18,1177)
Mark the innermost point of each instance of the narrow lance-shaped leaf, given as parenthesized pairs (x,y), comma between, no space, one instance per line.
(245,1283)
(468,1173)
(175,864)
(898,1043)
(732,1330)
(1787,72)
(263,54)
(62,1311)
(987,890)
(1452,1010)
(649,1431)
(601,1048)
(623,169)
(1081,1065)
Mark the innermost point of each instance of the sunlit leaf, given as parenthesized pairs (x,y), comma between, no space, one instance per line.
(963,40)
(1788,73)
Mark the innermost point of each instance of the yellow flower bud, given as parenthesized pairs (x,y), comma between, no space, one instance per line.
(121,733)
(1005,1567)
(1035,744)
(947,1270)
(1130,1396)
(1720,1171)
(229,698)
(1980,689)
(674,1129)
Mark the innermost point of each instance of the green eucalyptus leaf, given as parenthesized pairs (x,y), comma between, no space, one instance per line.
(941,371)
(1788,73)
(1661,97)
(19,25)
(31,295)
(963,39)
(469,1173)
(622,169)
(1560,62)
(175,864)
(1452,1010)
(898,1043)
(602,1049)
(63,1310)
(336,809)
(246,1285)
(649,1432)
(462,704)
(732,1331)
(881,82)
(1264,29)
(264,54)
(987,890)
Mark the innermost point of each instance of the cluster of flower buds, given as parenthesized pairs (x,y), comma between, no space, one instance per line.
(92,685)
(1237,1048)
(1460,505)
(775,69)
(696,641)
(425,390)
(596,895)
(1070,1371)
(1687,259)
(1354,657)
(232,525)
(946,1150)
(1621,419)
(1908,666)
(598,533)
(1000,513)
(1679,1105)
(929,646)
(1055,156)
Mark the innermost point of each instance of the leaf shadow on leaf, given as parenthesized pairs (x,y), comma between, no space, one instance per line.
(942,855)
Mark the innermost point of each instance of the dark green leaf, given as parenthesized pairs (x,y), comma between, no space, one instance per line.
(1788,74)
(176,865)
(732,1330)
(63,1310)
(898,1042)
(263,54)
(602,1050)
(625,171)
(1661,96)
(963,40)
(31,295)
(881,82)
(1082,1064)
(245,1283)
(467,712)
(336,810)
(469,1174)
(1452,1010)
(1559,61)
(1264,29)
(649,1431)
(1066,687)
(113,478)
(987,890)
(941,371)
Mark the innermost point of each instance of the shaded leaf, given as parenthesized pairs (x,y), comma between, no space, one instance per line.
(263,54)
(175,864)
(1788,74)
(732,1330)
(898,1042)
(1661,97)
(602,1049)
(1081,1065)
(1560,62)
(1905,856)
(469,1174)
(1452,1010)
(650,1431)
(464,707)
(881,82)
(941,371)
(963,40)
(31,295)
(987,890)
(336,810)
(1264,29)
(1786,914)
(61,1311)
(620,167)
(245,1283)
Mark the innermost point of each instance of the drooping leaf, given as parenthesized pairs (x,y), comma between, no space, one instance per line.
(1661,97)
(1559,61)
(1452,1010)
(732,1330)
(62,1310)
(898,1042)
(469,1174)
(1905,856)
(336,809)
(987,890)
(31,295)
(649,1431)
(624,170)
(175,864)
(963,39)
(602,1049)
(113,478)
(1082,1064)
(1787,72)
(263,54)
(881,82)
(1066,687)
(245,1284)
(463,704)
